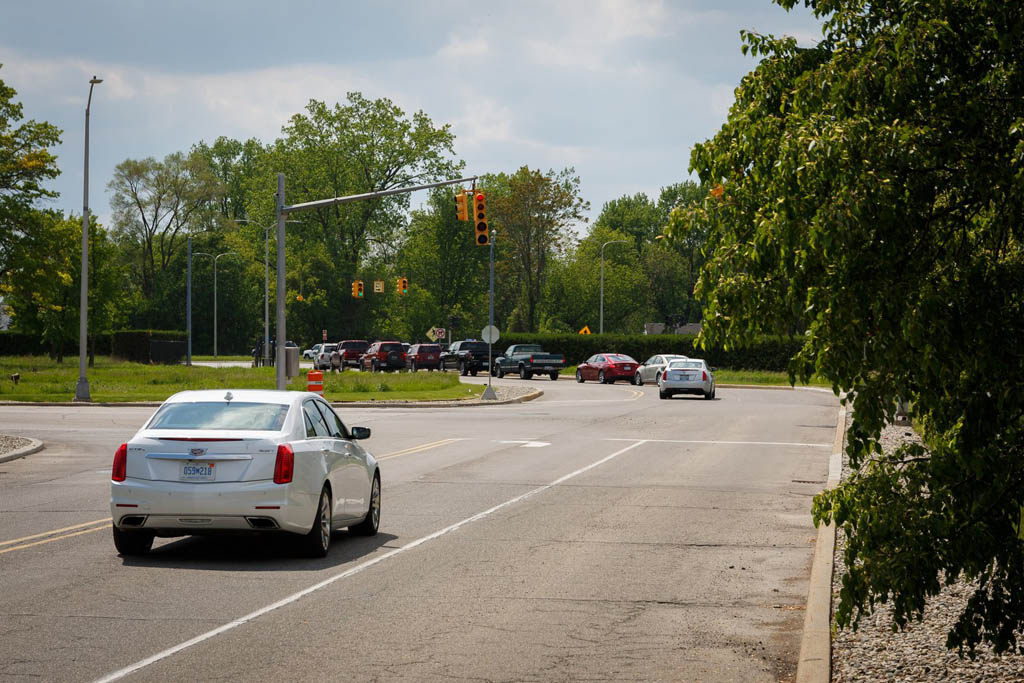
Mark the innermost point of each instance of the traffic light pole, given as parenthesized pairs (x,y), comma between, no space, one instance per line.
(283,211)
(489,393)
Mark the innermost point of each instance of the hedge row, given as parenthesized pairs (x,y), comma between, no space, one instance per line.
(130,345)
(767,355)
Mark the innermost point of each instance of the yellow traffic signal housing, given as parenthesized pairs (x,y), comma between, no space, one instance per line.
(462,206)
(357,289)
(483,234)
(361,290)
(403,285)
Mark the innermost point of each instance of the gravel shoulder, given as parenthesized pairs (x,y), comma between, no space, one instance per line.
(9,444)
(875,653)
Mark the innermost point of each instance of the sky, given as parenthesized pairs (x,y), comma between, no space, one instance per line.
(620,90)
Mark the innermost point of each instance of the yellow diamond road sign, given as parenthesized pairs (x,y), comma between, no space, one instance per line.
(585,330)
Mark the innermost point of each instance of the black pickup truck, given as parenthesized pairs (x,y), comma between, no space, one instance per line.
(528,360)
(468,356)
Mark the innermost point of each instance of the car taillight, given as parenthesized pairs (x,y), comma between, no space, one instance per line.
(119,471)
(284,467)
(705,375)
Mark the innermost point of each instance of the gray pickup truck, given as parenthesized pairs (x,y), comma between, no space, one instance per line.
(528,360)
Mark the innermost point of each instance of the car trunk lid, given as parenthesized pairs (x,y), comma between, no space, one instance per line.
(202,456)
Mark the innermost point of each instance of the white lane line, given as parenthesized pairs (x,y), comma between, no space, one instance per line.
(141,664)
(734,443)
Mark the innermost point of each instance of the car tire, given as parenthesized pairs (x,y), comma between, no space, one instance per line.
(317,542)
(663,394)
(370,523)
(498,372)
(554,375)
(374,367)
(524,373)
(638,380)
(657,378)
(710,396)
(473,373)
(579,377)
(463,370)
(412,368)
(133,543)
(600,377)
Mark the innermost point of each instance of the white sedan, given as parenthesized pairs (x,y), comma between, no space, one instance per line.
(243,461)
(690,376)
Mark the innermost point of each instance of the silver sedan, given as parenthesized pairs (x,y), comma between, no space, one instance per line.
(690,376)
(243,461)
(650,370)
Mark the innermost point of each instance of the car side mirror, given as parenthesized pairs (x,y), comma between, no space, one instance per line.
(360,432)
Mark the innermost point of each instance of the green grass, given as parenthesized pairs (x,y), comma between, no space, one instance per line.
(43,380)
(221,357)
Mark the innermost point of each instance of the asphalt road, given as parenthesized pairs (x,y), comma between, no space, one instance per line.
(597,533)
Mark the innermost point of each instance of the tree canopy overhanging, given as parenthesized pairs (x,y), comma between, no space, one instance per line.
(869,192)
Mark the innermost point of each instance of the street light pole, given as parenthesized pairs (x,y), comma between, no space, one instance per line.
(601,327)
(266,283)
(82,388)
(215,259)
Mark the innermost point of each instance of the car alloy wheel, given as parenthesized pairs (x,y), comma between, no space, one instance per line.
(579,377)
(317,542)
(600,377)
(498,372)
(638,380)
(370,523)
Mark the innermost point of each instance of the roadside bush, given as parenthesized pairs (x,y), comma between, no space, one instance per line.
(133,345)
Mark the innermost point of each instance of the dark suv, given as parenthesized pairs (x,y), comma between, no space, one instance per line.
(467,356)
(422,356)
(386,355)
(352,350)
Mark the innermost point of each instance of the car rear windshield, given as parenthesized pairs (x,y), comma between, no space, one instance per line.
(474,347)
(619,358)
(686,364)
(261,417)
(393,346)
(355,345)
(428,348)
(327,348)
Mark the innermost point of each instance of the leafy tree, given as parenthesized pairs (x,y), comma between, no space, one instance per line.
(25,165)
(156,204)
(637,216)
(357,147)
(871,191)
(534,213)
(42,287)
(235,164)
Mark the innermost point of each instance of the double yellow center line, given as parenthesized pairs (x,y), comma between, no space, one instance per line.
(417,449)
(54,535)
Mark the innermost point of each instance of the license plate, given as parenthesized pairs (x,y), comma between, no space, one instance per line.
(548,368)
(198,471)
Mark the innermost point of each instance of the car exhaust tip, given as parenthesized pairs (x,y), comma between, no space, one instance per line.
(133,520)
(262,522)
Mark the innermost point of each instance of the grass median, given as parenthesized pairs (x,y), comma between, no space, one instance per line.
(111,381)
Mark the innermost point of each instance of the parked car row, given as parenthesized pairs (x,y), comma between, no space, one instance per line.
(674,374)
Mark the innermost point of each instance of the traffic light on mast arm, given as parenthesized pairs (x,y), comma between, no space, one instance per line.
(357,289)
(403,285)
(462,206)
(483,234)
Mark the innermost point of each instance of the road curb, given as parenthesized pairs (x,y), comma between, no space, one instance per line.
(34,446)
(815,663)
(471,403)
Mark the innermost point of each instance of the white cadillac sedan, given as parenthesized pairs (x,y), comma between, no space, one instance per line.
(690,376)
(243,461)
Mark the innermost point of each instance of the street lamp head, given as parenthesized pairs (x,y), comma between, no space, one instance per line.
(95,80)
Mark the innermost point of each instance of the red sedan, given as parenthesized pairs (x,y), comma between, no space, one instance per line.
(423,356)
(606,368)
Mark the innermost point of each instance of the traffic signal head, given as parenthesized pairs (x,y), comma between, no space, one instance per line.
(462,206)
(403,285)
(359,289)
(483,234)
(355,289)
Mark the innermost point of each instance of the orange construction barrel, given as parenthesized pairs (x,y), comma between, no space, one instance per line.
(315,382)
